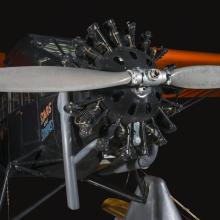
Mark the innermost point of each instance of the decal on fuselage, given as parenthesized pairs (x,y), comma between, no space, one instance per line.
(46,121)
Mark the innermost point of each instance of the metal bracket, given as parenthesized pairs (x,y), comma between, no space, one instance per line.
(69,167)
(159,204)
(136,134)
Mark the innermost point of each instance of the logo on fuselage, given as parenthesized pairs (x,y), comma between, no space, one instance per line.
(46,121)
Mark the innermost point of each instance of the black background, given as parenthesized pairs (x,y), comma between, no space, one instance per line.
(189,162)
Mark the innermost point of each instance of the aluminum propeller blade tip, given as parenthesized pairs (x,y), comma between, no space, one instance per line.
(196,77)
(58,79)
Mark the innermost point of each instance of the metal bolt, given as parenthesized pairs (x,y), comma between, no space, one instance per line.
(153,74)
(137,141)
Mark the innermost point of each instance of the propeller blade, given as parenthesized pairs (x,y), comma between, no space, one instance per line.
(196,77)
(58,79)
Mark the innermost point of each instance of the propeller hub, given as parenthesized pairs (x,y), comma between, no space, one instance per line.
(148,77)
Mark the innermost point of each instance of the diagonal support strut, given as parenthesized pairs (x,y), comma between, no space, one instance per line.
(4,186)
(69,167)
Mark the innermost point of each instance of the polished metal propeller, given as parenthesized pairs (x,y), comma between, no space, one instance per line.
(196,77)
(59,79)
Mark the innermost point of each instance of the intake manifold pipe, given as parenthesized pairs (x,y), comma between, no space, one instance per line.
(120,166)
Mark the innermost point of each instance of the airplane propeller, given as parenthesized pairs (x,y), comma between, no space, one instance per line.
(196,77)
(59,79)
